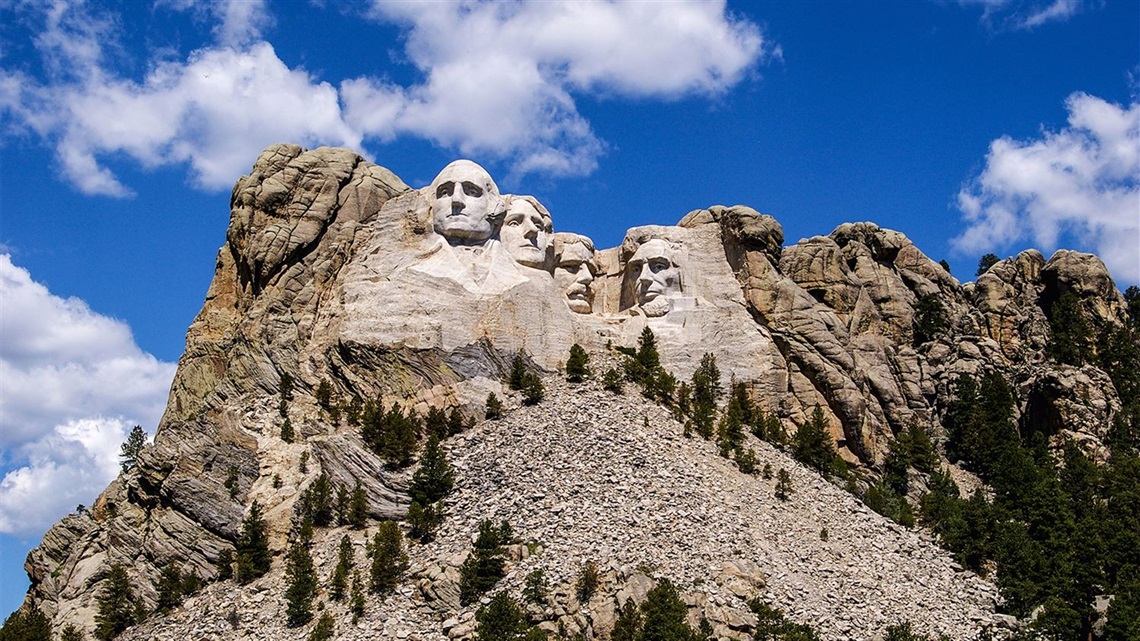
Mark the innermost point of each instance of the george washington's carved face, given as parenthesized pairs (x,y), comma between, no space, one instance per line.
(464,203)
(527,232)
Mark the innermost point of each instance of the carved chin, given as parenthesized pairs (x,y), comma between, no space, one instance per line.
(659,306)
(578,305)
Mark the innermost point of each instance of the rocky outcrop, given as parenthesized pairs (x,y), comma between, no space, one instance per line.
(335,271)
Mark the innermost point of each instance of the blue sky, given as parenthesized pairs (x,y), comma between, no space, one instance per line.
(970,126)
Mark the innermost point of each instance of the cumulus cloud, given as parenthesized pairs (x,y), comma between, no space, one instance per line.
(500,77)
(60,361)
(64,469)
(1079,184)
(501,82)
(72,383)
(1027,14)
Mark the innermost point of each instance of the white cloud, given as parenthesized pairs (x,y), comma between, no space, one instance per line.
(500,77)
(64,468)
(61,362)
(500,80)
(1027,14)
(1079,184)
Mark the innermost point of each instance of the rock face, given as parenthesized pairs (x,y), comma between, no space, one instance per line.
(335,271)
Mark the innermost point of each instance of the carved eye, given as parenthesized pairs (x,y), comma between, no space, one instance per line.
(658,265)
(471,189)
(571,267)
(444,190)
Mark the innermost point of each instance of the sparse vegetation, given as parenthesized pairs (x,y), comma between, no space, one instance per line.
(252,550)
(300,585)
(389,560)
(536,588)
(783,485)
(26,625)
(987,261)
(612,381)
(131,448)
(587,583)
(484,567)
(118,606)
(576,369)
(494,409)
(532,389)
(814,447)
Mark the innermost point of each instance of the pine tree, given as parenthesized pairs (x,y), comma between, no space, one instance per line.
(285,390)
(169,588)
(536,587)
(356,604)
(730,432)
(389,561)
(501,620)
(324,629)
(484,566)
(1072,336)
(252,550)
(532,389)
(26,625)
(813,446)
(612,381)
(358,507)
(628,624)
(424,521)
(707,391)
(435,423)
(576,365)
(118,608)
(338,586)
(930,318)
(987,261)
(225,564)
(130,449)
(455,422)
(324,395)
(434,479)
(587,582)
(70,632)
(518,369)
(287,432)
(664,615)
(494,408)
(783,485)
(300,585)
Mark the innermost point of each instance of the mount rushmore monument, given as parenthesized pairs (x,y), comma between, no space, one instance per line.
(335,272)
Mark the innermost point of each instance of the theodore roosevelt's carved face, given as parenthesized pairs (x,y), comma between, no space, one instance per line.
(575,270)
(658,276)
(464,203)
(527,231)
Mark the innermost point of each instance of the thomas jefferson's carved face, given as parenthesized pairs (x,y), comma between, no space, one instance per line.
(464,202)
(526,234)
(658,274)
(574,274)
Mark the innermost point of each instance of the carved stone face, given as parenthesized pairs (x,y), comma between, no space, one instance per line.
(526,233)
(464,201)
(658,276)
(574,273)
